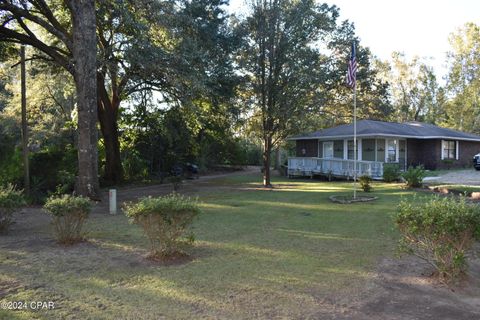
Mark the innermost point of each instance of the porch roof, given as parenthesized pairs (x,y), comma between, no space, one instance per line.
(372,128)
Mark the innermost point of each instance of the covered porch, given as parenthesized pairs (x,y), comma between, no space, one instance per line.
(335,156)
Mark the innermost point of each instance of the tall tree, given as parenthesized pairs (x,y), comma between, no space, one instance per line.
(415,92)
(283,64)
(142,45)
(463,80)
(372,89)
(84,53)
(73,48)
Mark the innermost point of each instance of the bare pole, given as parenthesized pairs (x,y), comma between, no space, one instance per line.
(355,151)
(26,168)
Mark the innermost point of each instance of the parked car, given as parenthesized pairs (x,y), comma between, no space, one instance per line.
(191,171)
(187,171)
(476,161)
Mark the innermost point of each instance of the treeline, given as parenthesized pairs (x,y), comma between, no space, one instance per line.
(187,82)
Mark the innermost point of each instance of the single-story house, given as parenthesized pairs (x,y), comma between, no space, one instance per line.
(331,151)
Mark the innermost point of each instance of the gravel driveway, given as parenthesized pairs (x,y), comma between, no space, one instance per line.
(467,177)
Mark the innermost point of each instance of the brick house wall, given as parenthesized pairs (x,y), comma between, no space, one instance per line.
(310,146)
(428,153)
(466,151)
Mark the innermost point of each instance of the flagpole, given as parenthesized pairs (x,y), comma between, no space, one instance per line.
(352,82)
(355,151)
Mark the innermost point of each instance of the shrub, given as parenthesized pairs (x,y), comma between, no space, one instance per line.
(164,220)
(391,172)
(51,167)
(414,176)
(447,163)
(69,214)
(365,183)
(441,231)
(66,183)
(10,199)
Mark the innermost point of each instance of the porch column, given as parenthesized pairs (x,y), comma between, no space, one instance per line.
(397,150)
(359,147)
(386,150)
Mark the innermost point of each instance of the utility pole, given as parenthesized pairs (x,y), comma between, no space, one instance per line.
(26,168)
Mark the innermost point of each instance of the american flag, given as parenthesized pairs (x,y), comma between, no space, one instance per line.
(352,68)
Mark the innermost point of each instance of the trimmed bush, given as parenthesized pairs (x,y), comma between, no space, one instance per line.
(414,176)
(391,172)
(365,183)
(164,220)
(10,200)
(441,231)
(69,214)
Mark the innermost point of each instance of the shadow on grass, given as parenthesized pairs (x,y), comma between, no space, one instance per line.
(257,254)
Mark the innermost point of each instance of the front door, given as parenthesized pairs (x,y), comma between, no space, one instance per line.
(328,149)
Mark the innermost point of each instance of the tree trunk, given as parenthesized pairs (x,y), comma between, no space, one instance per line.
(277,158)
(113,165)
(85,64)
(26,169)
(266,161)
(108,117)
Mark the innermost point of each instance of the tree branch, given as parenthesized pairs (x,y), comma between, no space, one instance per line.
(13,36)
(34,57)
(18,12)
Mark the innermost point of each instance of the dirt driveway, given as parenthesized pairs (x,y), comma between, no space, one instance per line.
(466,177)
(132,193)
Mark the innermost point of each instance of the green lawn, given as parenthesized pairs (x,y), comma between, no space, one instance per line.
(441,172)
(258,254)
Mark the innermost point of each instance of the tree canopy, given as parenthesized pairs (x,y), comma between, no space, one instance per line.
(183,81)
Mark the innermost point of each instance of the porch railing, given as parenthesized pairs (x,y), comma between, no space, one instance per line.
(308,166)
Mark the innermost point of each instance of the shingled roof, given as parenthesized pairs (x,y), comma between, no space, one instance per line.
(366,128)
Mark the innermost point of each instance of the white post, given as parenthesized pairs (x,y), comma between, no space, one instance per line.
(112,197)
(456,149)
(355,141)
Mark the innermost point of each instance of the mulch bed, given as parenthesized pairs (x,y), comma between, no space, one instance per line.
(351,199)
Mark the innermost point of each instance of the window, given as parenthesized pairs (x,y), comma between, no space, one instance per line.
(392,150)
(381,150)
(328,149)
(338,149)
(449,150)
(368,149)
(350,153)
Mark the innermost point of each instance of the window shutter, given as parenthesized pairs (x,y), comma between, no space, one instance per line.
(456,149)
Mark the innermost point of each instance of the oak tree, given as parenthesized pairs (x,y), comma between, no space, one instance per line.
(282,64)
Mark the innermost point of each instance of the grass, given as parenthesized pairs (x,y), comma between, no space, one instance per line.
(259,254)
(441,172)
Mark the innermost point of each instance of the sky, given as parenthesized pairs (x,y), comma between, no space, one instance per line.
(414,27)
